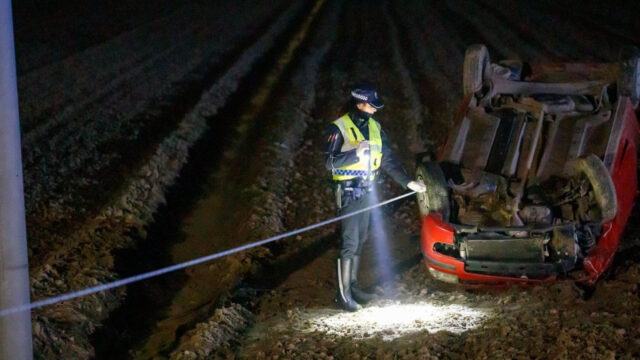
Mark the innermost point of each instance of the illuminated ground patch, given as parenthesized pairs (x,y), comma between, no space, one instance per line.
(392,319)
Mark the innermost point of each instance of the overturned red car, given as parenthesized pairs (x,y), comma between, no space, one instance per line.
(538,177)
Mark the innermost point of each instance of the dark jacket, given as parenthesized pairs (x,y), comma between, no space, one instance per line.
(334,158)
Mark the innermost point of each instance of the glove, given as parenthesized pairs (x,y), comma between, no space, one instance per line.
(417,186)
(363,149)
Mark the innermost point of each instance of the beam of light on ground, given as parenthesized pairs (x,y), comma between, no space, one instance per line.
(380,241)
(393,319)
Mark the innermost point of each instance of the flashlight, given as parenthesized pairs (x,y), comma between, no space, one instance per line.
(367,157)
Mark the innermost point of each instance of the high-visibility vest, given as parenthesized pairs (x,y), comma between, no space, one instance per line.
(352,137)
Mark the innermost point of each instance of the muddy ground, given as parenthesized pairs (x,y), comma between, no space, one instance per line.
(155,133)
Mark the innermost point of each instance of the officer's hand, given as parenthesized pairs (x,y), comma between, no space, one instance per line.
(417,186)
(363,149)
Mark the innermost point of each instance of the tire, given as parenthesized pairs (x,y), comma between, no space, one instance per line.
(603,188)
(436,198)
(476,60)
(629,78)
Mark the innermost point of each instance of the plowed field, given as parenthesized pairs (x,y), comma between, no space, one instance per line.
(157,133)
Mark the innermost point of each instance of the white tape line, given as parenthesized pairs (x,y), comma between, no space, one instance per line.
(161,271)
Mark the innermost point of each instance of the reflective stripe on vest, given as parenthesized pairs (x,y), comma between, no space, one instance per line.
(352,137)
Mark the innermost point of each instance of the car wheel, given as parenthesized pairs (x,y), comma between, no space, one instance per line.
(629,79)
(436,197)
(476,60)
(604,191)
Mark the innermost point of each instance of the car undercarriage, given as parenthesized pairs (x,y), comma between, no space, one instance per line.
(538,176)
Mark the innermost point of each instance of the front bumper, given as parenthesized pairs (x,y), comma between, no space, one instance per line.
(452,269)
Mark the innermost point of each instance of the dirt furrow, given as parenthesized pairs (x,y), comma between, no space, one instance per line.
(427,58)
(310,197)
(610,41)
(94,150)
(219,219)
(195,136)
(617,24)
(537,25)
(499,39)
(604,47)
(463,31)
(415,114)
(524,44)
(268,217)
(49,32)
(50,89)
(41,125)
(296,319)
(520,28)
(450,51)
(121,224)
(311,287)
(136,199)
(144,192)
(578,41)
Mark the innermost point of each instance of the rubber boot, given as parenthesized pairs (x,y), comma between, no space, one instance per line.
(343,298)
(358,295)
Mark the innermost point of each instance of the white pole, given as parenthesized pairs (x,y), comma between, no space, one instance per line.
(15,329)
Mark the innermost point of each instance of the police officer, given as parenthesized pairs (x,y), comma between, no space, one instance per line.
(356,149)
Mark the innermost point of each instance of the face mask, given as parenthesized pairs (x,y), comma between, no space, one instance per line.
(362,115)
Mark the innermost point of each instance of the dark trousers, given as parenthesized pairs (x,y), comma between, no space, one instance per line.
(355,229)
